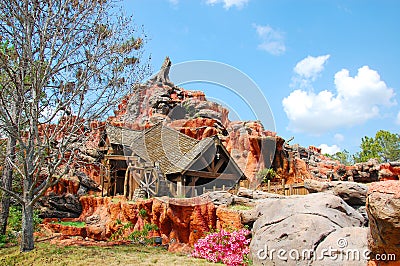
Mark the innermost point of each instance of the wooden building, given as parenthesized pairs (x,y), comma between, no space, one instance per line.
(161,161)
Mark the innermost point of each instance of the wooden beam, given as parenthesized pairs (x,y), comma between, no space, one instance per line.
(121,157)
(211,175)
(206,164)
(218,165)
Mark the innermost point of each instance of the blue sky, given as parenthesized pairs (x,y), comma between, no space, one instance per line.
(329,69)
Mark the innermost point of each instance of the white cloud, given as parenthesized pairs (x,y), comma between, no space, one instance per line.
(272,39)
(228,3)
(174,2)
(310,67)
(398,119)
(325,149)
(356,100)
(308,70)
(338,137)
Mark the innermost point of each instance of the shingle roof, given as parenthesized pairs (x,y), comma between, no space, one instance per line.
(186,160)
(173,150)
(121,135)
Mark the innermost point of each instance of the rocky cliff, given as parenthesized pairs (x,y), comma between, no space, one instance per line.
(252,147)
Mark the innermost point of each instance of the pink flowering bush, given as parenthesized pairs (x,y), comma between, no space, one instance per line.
(230,248)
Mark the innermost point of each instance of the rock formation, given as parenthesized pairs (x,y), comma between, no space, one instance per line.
(383,208)
(62,200)
(302,225)
(253,147)
(352,193)
(177,222)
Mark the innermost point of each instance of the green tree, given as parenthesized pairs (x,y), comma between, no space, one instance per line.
(385,147)
(71,63)
(343,157)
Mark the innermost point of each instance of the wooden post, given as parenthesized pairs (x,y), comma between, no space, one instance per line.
(126,181)
(115,183)
(102,178)
(131,186)
(155,176)
(290,190)
(179,186)
(214,188)
(269,185)
(172,189)
(283,186)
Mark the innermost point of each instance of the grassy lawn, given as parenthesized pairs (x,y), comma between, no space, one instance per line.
(74,224)
(47,254)
(238,207)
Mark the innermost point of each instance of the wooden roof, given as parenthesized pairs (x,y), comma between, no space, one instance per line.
(121,135)
(171,149)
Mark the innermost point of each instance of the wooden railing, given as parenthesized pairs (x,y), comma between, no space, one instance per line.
(281,188)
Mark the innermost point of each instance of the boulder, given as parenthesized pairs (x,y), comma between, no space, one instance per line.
(346,245)
(87,182)
(352,193)
(298,223)
(383,208)
(60,206)
(219,198)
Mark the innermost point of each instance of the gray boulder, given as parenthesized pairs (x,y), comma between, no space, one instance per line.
(346,246)
(353,193)
(298,223)
(219,198)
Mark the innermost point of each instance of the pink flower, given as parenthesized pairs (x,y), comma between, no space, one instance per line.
(223,246)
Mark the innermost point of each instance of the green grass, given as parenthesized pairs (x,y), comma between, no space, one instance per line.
(237,207)
(74,224)
(47,254)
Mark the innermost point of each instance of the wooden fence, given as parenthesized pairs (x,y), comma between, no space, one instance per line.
(281,188)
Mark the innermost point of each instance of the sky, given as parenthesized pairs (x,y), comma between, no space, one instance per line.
(329,69)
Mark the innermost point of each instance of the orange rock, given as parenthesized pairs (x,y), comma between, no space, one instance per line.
(183,220)
(228,219)
(383,202)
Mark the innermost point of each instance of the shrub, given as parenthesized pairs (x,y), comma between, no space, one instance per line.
(15,218)
(142,213)
(266,174)
(14,225)
(230,248)
(142,236)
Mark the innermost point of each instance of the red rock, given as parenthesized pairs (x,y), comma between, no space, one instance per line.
(228,219)
(383,209)
(183,220)
(389,172)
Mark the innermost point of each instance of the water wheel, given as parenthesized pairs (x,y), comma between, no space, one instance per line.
(149,182)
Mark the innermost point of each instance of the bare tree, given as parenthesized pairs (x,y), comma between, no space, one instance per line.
(66,62)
